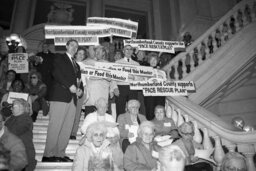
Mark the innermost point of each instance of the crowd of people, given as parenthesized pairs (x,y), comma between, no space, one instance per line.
(126,141)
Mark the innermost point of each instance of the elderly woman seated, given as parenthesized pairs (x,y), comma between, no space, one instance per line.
(233,161)
(172,158)
(96,153)
(164,125)
(138,155)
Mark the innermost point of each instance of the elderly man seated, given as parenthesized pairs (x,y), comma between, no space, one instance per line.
(138,155)
(16,147)
(129,123)
(98,116)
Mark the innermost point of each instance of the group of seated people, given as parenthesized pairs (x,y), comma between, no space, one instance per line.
(128,142)
(134,143)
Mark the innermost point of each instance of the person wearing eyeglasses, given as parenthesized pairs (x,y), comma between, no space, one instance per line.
(37,91)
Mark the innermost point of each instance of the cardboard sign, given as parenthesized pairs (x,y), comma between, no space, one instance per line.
(155,45)
(13,95)
(18,62)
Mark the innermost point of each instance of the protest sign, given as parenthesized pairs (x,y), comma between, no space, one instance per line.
(158,87)
(14,95)
(18,62)
(155,45)
(89,71)
(52,31)
(119,27)
(130,69)
(82,41)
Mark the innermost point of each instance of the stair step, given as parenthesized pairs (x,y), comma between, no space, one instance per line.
(44,141)
(41,130)
(43,136)
(70,147)
(54,166)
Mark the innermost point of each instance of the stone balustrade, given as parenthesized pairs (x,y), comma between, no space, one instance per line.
(214,38)
(209,127)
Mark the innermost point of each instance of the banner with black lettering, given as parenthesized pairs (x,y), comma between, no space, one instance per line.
(52,31)
(155,45)
(82,41)
(130,69)
(158,87)
(119,27)
(89,71)
(18,62)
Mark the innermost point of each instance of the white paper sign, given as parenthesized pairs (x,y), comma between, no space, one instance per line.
(133,129)
(13,95)
(18,62)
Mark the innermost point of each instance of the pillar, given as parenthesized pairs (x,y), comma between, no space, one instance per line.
(95,8)
(21,16)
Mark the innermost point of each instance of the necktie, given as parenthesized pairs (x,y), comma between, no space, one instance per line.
(74,64)
(128,60)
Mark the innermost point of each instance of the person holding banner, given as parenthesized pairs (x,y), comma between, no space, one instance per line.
(66,88)
(98,87)
(125,93)
(80,56)
(152,101)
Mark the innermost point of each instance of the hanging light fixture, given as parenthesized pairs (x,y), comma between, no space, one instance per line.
(13,41)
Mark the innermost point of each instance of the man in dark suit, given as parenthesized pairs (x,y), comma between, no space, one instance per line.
(66,87)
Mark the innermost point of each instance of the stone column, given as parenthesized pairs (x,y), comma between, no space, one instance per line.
(21,16)
(96,8)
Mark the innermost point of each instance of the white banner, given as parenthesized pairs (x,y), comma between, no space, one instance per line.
(13,96)
(18,62)
(82,41)
(52,31)
(130,69)
(155,45)
(89,71)
(119,27)
(117,22)
(158,87)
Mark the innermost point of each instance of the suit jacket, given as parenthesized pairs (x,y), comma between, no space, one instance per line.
(64,76)
(125,119)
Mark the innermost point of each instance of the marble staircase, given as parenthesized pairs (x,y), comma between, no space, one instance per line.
(39,139)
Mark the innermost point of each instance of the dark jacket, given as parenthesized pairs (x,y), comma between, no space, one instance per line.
(17,150)
(22,126)
(64,76)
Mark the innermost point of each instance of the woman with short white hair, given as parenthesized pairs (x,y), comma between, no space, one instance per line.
(95,153)
(138,155)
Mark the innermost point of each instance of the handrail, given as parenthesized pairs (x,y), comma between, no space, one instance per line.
(239,16)
(212,122)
